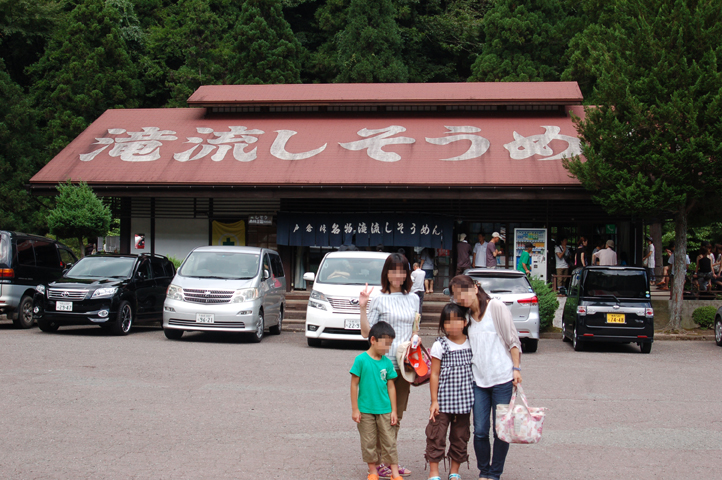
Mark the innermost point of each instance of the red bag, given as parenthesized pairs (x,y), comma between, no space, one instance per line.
(420,361)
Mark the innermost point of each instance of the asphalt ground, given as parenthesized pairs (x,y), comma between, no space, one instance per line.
(83,404)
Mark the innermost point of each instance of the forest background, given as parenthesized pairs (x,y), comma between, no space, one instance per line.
(63,63)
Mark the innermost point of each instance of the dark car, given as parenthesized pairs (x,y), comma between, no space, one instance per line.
(718,327)
(25,261)
(112,291)
(609,304)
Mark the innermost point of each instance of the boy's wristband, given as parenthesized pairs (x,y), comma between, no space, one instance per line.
(517,369)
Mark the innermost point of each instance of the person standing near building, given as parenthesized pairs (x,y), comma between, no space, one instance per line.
(417,287)
(479,254)
(561,252)
(463,255)
(491,251)
(525,260)
(427,265)
(606,256)
(581,256)
(648,260)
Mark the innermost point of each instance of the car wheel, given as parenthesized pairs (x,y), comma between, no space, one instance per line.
(276,329)
(24,316)
(718,331)
(530,345)
(172,333)
(645,347)
(260,327)
(124,322)
(576,343)
(47,326)
(314,342)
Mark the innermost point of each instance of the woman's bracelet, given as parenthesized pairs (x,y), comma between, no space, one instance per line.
(517,369)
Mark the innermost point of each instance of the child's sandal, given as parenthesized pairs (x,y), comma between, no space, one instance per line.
(454,476)
(372,476)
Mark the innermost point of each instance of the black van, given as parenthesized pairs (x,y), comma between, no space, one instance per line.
(609,304)
(26,261)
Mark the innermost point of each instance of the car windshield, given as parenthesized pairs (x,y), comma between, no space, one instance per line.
(617,283)
(503,284)
(104,267)
(225,265)
(351,271)
(4,248)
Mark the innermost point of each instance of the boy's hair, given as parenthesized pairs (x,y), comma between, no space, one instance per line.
(416,264)
(382,330)
(446,312)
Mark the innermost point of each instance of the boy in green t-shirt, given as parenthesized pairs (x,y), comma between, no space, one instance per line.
(525,259)
(373,401)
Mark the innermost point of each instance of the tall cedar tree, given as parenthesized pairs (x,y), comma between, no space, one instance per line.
(525,41)
(654,144)
(188,46)
(369,48)
(266,49)
(19,159)
(85,70)
(78,213)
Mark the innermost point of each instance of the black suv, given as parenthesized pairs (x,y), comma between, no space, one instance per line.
(113,291)
(25,261)
(609,304)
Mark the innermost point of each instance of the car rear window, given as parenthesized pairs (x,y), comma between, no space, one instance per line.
(228,265)
(618,283)
(103,267)
(5,249)
(503,284)
(351,271)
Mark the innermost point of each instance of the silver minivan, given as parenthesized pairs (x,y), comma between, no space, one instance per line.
(226,289)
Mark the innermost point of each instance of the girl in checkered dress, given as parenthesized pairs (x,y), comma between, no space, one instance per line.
(452,393)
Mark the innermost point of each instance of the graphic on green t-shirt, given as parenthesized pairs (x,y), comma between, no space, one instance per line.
(373,393)
(524,259)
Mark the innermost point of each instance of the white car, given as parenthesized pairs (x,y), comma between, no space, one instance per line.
(333,310)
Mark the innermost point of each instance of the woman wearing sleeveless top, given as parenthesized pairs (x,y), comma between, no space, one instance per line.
(495,365)
(704,269)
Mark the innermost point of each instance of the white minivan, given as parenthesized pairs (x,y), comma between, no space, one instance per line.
(333,309)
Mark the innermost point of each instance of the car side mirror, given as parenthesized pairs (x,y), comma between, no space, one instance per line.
(266,274)
(309,276)
(563,291)
(447,292)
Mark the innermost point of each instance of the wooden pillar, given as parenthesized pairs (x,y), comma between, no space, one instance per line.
(125,212)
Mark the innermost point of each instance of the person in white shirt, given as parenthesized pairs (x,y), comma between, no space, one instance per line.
(560,256)
(417,277)
(606,256)
(479,258)
(648,260)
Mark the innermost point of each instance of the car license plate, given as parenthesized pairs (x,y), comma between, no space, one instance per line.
(204,318)
(615,318)
(351,324)
(64,306)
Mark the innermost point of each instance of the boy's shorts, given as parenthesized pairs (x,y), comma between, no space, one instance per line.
(375,428)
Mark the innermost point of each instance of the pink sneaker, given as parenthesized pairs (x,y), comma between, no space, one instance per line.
(385,472)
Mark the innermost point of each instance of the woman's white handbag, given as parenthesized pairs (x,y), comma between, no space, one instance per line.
(519,423)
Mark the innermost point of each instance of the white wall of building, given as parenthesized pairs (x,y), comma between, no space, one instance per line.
(173,236)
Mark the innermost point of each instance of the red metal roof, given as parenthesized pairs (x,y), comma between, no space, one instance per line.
(183,146)
(559,93)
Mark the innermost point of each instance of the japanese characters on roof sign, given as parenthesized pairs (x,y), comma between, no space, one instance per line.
(369,230)
(184,146)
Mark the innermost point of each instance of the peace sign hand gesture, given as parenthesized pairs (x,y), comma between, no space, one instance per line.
(363,298)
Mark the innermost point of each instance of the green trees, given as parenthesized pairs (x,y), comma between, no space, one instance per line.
(654,143)
(78,213)
(369,47)
(266,50)
(85,70)
(525,41)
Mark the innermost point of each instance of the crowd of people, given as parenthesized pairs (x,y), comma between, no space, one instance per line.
(475,364)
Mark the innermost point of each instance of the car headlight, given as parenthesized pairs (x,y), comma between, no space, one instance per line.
(174,292)
(316,295)
(40,289)
(104,292)
(244,295)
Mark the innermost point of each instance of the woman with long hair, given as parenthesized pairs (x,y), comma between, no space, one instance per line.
(495,365)
(396,306)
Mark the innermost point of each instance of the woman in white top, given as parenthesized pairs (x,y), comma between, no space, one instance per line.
(495,364)
(398,307)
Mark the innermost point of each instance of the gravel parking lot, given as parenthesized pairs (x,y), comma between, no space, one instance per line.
(84,404)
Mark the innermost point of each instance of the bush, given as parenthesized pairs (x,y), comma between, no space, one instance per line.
(548,302)
(704,316)
(174,261)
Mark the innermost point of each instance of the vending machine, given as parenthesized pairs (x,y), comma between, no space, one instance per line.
(538,238)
